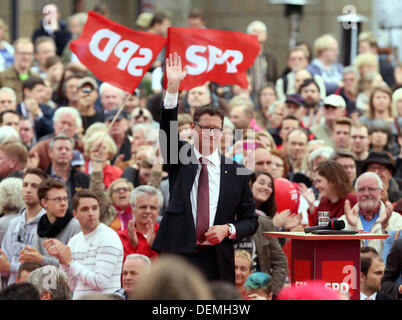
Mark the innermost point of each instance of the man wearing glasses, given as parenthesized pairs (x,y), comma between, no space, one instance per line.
(57,223)
(210,199)
(22,229)
(20,70)
(370,213)
(139,236)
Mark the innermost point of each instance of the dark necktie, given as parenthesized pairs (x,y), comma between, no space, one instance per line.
(202,224)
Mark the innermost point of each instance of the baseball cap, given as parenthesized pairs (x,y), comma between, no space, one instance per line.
(335,101)
(112,113)
(78,159)
(295,98)
(88,80)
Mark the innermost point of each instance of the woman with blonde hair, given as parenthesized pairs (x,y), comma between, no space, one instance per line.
(326,51)
(366,62)
(119,194)
(10,202)
(102,148)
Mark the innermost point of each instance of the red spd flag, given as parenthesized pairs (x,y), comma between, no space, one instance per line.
(213,55)
(115,53)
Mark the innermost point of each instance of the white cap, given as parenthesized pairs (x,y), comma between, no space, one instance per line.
(335,101)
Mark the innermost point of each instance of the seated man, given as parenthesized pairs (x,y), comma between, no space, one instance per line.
(134,265)
(370,213)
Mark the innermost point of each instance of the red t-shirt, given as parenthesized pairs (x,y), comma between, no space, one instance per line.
(336,209)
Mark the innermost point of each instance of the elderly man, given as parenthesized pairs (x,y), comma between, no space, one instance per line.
(146,202)
(110,96)
(51,282)
(383,164)
(370,213)
(134,265)
(66,121)
(61,153)
(8,99)
(265,67)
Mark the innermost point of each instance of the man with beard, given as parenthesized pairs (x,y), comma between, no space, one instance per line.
(370,213)
(310,92)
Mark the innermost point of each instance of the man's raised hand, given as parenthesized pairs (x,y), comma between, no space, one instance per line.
(175,73)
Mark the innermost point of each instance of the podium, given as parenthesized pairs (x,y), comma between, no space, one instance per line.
(334,259)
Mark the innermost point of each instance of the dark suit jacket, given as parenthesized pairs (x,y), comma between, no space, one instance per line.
(393,270)
(43,125)
(383,296)
(176,233)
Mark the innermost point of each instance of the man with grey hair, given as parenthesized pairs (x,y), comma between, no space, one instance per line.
(134,265)
(139,236)
(66,121)
(51,282)
(61,153)
(350,90)
(265,67)
(370,213)
(111,97)
(8,99)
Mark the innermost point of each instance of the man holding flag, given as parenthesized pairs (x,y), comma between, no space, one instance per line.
(211,203)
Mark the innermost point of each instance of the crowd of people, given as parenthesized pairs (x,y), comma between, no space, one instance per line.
(84,192)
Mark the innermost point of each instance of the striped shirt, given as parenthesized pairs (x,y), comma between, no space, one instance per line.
(97,262)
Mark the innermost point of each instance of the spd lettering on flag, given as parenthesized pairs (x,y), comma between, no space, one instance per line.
(115,53)
(213,55)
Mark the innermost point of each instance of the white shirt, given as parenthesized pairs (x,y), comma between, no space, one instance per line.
(97,261)
(214,175)
(214,182)
(372,297)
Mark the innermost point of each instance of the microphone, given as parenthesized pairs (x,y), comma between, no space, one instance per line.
(332,225)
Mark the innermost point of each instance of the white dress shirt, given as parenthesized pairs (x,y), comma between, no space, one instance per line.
(214,175)
(364,297)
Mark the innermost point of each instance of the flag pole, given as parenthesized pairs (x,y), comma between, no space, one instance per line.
(121,107)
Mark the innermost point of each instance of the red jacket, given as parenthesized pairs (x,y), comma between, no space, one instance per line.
(336,209)
(142,246)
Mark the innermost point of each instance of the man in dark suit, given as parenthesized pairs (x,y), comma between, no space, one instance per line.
(33,107)
(210,199)
(371,273)
(393,271)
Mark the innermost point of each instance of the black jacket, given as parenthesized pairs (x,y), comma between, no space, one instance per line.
(78,180)
(393,270)
(61,36)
